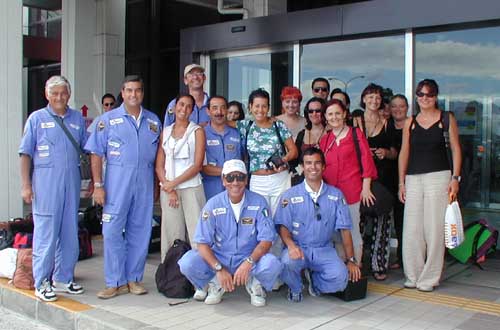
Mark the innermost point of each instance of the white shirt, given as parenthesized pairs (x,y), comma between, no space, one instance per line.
(237,208)
(314,195)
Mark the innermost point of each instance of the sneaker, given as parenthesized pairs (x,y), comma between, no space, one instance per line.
(310,288)
(137,288)
(425,288)
(294,297)
(70,287)
(200,294)
(409,285)
(277,285)
(256,292)
(45,292)
(112,292)
(215,293)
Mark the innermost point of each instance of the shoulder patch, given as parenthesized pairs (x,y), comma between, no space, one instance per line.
(265,212)
(100,125)
(296,200)
(153,127)
(219,211)
(205,215)
(253,207)
(284,202)
(333,198)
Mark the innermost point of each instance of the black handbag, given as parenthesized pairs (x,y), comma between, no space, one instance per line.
(384,200)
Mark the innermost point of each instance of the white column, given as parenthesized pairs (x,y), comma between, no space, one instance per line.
(93,50)
(11,107)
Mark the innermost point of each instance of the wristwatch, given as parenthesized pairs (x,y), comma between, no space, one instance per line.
(98,184)
(218,267)
(353,260)
(249,260)
(457,177)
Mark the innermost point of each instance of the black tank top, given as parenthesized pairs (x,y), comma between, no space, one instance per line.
(427,149)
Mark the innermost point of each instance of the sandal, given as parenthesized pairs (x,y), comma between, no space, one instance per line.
(380,276)
(395,265)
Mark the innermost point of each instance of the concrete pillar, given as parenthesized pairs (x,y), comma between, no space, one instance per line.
(11,107)
(93,50)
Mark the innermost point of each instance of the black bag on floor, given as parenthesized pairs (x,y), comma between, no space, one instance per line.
(85,243)
(169,279)
(354,290)
(92,219)
(6,238)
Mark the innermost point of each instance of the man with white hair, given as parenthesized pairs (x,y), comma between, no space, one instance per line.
(233,236)
(54,188)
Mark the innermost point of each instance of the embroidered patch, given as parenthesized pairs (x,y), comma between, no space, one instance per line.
(106,217)
(295,232)
(333,198)
(265,212)
(344,201)
(219,211)
(100,125)
(247,221)
(205,215)
(153,127)
(43,154)
(114,153)
(44,147)
(284,202)
(234,139)
(230,147)
(49,124)
(253,207)
(296,224)
(298,199)
(213,142)
(114,144)
(74,126)
(116,121)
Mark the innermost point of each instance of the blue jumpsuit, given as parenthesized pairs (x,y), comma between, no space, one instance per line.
(130,152)
(56,189)
(198,116)
(232,242)
(219,148)
(312,228)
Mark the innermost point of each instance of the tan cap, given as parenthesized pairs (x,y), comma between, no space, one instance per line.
(234,165)
(190,67)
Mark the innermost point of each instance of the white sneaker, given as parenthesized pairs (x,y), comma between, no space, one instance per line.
(310,287)
(256,292)
(200,294)
(70,287)
(215,292)
(277,285)
(45,292)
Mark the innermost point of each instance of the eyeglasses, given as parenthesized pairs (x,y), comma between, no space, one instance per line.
(320,89)
(314,110)
(238,177)
(422,94)
(316,211)
(109,104)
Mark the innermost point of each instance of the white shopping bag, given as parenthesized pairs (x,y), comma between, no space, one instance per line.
(453,226)
(8,258)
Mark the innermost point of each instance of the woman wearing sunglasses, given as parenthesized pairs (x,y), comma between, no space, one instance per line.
(314,112)
(179,161)
(343,169)
(427,181)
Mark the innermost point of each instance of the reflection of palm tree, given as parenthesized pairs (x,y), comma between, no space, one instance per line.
(346,83)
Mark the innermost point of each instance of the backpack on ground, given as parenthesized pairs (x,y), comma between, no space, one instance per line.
(480,240)
(23,276)
(92,217)
(84,242)
(169,279)
(23,241)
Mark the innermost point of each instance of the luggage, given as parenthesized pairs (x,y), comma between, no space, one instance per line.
(480,240)
(6,238)
(169,279)
(8,259)
(155,240)
(23,241)
(92,219)
(354,290)
(84,242)
(23,276)
(20,225)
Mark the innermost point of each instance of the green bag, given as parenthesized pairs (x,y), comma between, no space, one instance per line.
(480,239)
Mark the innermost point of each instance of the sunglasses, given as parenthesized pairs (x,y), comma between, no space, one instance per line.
(109,104)
(320,89)
(316,211)
(238,177)
(314,110)
(422,94)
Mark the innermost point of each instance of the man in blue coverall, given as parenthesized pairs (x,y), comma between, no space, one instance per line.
(309,214)
(194,79)
(128,138)
(223,143)
(55,189)
(233,236)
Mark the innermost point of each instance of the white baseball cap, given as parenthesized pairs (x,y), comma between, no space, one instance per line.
(234,165)
(193,66)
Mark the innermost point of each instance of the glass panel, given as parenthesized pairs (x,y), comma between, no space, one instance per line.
(466,66)
(351,65)
(235,77)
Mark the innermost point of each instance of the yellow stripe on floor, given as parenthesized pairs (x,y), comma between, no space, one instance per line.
(476,305)
(62,302)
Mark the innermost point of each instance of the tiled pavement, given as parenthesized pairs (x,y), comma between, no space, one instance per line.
(468,299)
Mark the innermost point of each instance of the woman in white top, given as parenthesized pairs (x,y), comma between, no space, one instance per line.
(178,164)
(290,108)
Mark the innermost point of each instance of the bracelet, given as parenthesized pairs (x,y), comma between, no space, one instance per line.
(401,184)
(98,184)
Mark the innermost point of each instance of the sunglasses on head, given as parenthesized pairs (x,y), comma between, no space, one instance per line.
(316,211)
(109,104)
(314,110)
(238,177)
(422,94)
(320,89)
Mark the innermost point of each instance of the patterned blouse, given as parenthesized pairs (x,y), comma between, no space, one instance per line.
(262,142)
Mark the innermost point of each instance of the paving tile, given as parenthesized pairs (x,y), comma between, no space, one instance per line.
(477,324)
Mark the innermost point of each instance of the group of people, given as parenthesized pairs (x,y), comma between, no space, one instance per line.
(260,200)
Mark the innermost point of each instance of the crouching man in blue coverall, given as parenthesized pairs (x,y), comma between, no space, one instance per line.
(128,138)
(54,189)
(234,235)
(308,216)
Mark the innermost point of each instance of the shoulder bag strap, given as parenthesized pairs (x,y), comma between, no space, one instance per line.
(68,134)
(276,129)
(357,149)
(444,119)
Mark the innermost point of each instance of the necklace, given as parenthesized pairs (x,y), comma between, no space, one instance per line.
(339,133)
(319,137)
(374,129)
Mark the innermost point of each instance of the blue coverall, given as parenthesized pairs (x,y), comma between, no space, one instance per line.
(198,116)
(130,152)
(56,189)
(219,148)
(232,242)
(312,226)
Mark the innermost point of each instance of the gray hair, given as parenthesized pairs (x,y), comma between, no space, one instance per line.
(57,81)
